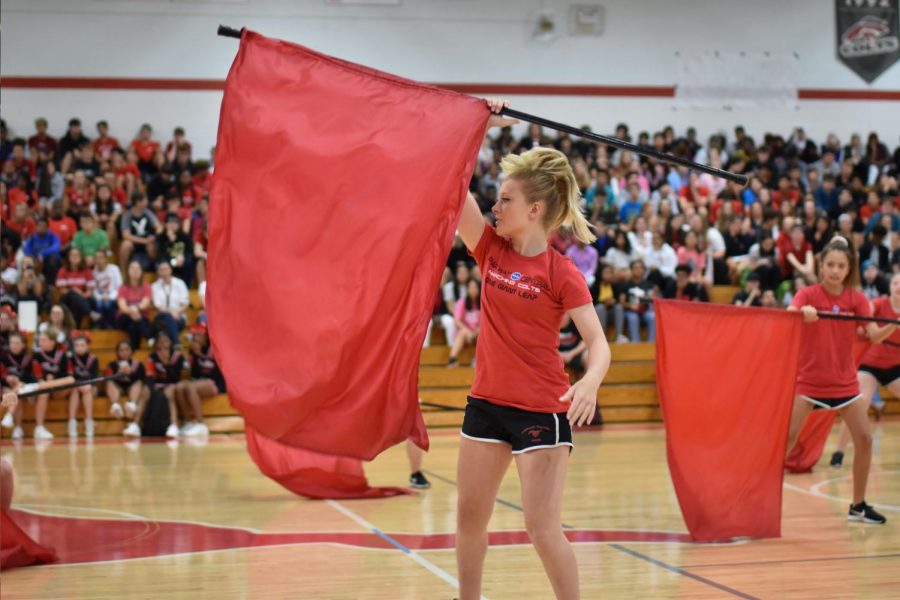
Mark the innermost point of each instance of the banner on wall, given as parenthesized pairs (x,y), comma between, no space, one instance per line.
(750,79)
(868,35)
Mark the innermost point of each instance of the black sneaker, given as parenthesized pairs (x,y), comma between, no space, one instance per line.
(452,362)
(864,513)
(417,480)
(837,459)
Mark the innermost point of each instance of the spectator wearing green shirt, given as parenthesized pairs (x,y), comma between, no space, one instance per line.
(90,239)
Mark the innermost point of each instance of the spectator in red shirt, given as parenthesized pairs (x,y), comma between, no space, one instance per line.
(105,143)
(785,193)
(797,256)
(135,299)
(201,176)
(693,196)
(21,222)
(145,147)
(190,195)
(872,206)
(127,173)
(62,225)
(79,194)
(40,142)
(22,193)
(75,281)
(118,192)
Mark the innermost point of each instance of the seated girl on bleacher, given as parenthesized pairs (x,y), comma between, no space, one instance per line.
(84,366)
(164,367)
(50,362)
(132,384)
(467,315)
(16,369)
(206,380)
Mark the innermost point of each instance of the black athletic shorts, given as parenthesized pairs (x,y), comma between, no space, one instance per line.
(884,376)
(523,430)
(831,403)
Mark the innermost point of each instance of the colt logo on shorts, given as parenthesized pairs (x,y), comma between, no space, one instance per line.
(535,432)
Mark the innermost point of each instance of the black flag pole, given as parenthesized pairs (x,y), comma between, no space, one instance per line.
(52,389)
(663,157)
(840,317)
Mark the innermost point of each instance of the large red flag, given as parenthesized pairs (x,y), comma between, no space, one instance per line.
(811,443)
(17,549)
(726,377)
(335,198)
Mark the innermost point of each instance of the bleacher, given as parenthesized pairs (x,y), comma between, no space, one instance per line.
(628,394)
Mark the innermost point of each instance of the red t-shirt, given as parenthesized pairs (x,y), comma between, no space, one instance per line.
(200,232)
(129,168)
(17,196)
(43,143)
(80,199)
(688,194)
(522,304)
(792,196)
(82,280)
(827,368)
(884,356)
(25,229)
(133,296)
(25,165)
(120,196)
(202,182)
(800,254)
(145,150)
(103,147)
(64,229)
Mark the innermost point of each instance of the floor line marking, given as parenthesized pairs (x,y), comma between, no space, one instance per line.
(413,555)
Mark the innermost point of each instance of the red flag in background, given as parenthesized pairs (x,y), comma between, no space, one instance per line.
(811,443)
(726,378)
(335,198)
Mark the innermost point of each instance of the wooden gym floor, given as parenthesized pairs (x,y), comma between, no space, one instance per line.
(177,520)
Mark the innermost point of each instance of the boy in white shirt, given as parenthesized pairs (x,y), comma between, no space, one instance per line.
(171,299)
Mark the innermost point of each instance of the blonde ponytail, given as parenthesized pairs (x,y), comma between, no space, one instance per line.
(548,177)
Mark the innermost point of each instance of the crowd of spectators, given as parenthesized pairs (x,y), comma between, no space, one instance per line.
(666,231)
(85,220)
(98,235)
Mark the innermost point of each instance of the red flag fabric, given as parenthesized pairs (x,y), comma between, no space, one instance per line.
(726,376)
(17,549)
(312,474)
(335,197)
(811,443)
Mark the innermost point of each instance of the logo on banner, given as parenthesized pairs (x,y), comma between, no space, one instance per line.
(868,38)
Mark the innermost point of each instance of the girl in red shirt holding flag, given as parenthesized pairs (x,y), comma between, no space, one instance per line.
(880,364)
(517,407)
(826,377)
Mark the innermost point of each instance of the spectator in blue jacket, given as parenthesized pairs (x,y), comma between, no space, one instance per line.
(44,247)
(827,196)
